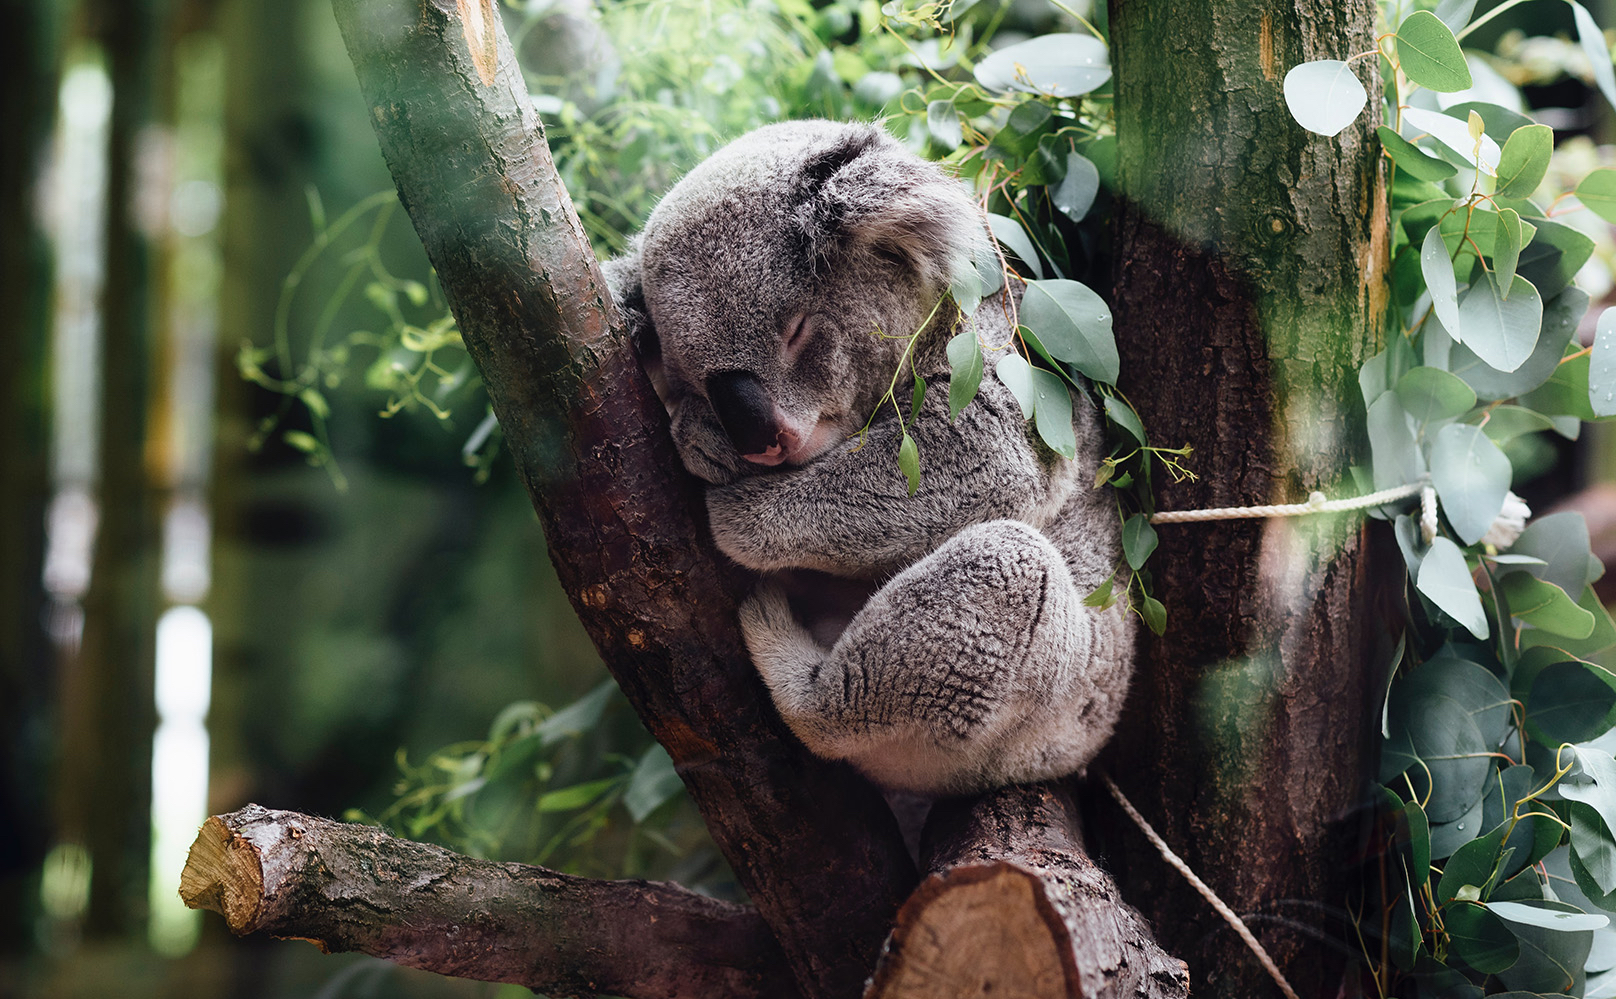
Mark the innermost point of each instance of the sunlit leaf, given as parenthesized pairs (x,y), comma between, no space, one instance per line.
(1502,331)
(1060,65)
(1410,157)
(1324,96)
(1430,55)
(1074,325)
(1471,477)
(1524,160)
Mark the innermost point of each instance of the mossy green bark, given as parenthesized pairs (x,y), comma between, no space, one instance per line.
(1248,291)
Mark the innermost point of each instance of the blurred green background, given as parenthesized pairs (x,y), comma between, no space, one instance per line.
(257,540)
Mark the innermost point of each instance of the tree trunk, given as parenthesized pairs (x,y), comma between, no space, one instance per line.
(29,65)
(107,707)
(1251,256)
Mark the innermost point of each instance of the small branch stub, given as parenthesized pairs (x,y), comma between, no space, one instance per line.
(1013,907)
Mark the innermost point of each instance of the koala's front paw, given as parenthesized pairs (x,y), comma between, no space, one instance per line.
(745,527)
(772,631)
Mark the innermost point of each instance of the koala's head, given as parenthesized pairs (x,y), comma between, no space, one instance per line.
(777,276)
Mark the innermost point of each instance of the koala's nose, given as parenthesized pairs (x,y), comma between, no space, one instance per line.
(745,411)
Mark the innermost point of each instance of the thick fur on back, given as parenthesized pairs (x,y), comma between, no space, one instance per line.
(937,641)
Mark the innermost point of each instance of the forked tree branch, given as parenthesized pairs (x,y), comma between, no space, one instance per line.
(815,847)
(355,888)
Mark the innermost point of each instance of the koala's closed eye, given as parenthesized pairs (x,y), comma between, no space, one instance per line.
(783,279)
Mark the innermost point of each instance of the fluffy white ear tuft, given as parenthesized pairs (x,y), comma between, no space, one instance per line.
(865,190)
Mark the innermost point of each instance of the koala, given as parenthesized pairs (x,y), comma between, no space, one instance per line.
(936,641)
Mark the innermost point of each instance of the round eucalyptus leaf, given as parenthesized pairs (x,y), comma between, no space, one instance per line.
(1569,702)
(1324,96)
(1502,331)
(1560,318)
(1480,937)
(1551,960)
(1524,160)
(1394,453)
(1431,395)
(1448,837)
(1059,65)
(1445,738)
(1470,685)
(1545,606)
(1562,542)
(1016,374)
(1430,55)
(1565,920)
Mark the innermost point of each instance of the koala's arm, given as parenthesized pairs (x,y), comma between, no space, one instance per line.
(849,511)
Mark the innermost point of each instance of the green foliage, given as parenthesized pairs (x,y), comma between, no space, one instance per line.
(538,791)
(1500,791)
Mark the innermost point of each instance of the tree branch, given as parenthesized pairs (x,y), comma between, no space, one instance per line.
(814,846)
(355,888)
(1013,906)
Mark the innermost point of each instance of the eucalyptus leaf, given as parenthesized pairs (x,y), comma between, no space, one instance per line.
(1016,374)
(1570,702)
(1479,153)
(1009,232)
(1444,579)
(1430,55)
(909,462)
(1438,270)
(1597,192)
(1545,606)
(1470,685)
(1074,195)
(965,371)
(1592,845)
(1324,96)
(1138,540)
(1431,395)
(1502,331)
(1551,960)
(1471,477)
(1560,318)
(653,783)
(1448,837)
(943,122)
(1053,412)
(1074,325)
(1524,160)
(1408,156)
(1472,864)
(1564,920)
(1593,45)
(1562,542)
(1593,782)
(1394,453)
(578,717)
(1480,937)
(1059,65)
(1602,366)
(1123,416)
(1507,248)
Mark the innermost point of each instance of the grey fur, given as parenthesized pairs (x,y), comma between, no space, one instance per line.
(974,663)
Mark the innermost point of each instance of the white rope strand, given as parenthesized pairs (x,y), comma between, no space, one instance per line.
(1316,503)
(1228,914)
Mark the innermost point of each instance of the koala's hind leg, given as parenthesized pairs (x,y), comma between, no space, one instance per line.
(977,665)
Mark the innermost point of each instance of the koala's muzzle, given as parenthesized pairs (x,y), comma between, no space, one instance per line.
(746,413)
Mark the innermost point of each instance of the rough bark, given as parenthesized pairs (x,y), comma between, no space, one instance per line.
(815,847)
(348,887)
(1013,906)
(1251,256)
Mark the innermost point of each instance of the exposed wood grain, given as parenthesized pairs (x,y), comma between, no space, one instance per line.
(1012,906)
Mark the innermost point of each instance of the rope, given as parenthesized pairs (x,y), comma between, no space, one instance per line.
(1200,886)
(1316,503)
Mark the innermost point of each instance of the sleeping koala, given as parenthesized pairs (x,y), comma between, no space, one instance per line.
(937,641)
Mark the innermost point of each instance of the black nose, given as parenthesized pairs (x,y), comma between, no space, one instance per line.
(744,410)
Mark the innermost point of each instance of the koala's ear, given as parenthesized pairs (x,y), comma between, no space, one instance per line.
(864,190)
(623,280)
